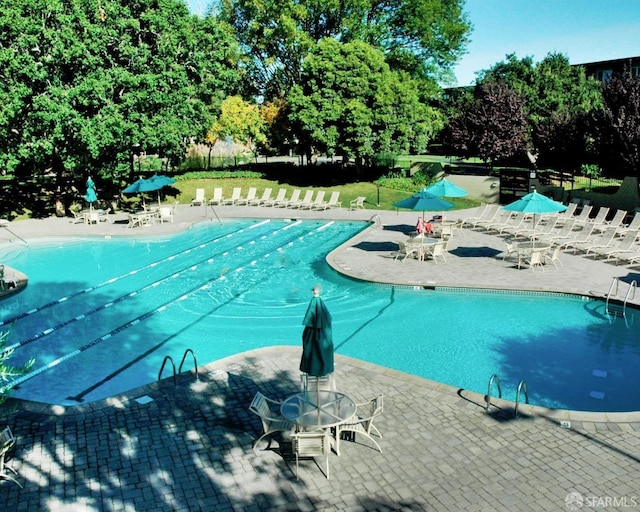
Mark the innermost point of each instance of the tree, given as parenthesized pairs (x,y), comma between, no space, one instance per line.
(559,103)
(620,126)
(351,104)
(84,80)
(423,37)
(7,372)
(492,124)
(240,120)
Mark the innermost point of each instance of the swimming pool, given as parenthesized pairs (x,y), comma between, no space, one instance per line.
(100,315)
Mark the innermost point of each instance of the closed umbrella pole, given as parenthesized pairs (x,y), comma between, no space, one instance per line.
(317,339)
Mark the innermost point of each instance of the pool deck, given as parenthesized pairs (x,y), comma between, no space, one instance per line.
(188,447)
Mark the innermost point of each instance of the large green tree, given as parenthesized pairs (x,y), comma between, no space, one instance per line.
(85,80)
(350,103)
(424,37)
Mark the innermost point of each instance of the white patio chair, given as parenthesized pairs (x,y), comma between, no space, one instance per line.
(311,445)
(554,256)
(165,214)
(362,422)
(434,252)
(7,441)
(510,248)
(311,383)
(268,410)
(357,203)
(406,250)
(534,259)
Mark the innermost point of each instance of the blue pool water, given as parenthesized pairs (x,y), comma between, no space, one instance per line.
(100,315)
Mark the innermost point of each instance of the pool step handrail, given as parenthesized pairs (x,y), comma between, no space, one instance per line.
(613,291)
(620,310)
(195,361)
(522,387)
(493,379)
(631,294)
(164,362)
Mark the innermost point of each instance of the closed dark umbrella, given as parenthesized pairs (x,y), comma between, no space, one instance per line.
(317,339)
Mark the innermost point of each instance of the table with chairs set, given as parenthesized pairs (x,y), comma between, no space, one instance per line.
(152,215)
(316,419)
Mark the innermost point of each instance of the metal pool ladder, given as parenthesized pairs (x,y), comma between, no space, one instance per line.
(617,309)
(168,358)
(522,388)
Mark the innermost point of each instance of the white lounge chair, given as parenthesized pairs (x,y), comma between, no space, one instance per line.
(251,195)
(199,200)
(306,200)
(235,195)
(268,411)
(314,203)
(280,196)
(217,196)
(266,195)
(331,203)
(633,226)
(286,203)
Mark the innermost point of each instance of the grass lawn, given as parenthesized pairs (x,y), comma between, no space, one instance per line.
(185,190)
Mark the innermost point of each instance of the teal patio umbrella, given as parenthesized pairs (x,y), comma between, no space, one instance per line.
(444,188)
(141,186)
(317,338)
(535,204)
(91,196)
(161,181)
(424,201)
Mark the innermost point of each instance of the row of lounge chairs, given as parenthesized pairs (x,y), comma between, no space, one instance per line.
(308,201)
(604,235)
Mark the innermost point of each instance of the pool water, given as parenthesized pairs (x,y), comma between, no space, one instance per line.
(100,315)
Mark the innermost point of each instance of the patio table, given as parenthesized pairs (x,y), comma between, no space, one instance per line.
(316,410)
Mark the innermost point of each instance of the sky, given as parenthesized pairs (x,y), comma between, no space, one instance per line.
(583,30)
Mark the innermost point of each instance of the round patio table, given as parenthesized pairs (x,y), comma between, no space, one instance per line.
(314,410)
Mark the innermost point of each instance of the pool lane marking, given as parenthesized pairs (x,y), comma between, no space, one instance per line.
(207,259)
(112,280)
(123,327)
